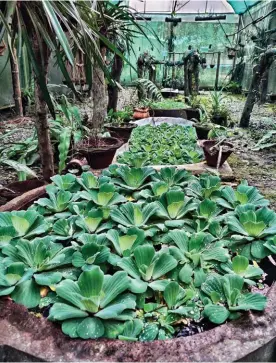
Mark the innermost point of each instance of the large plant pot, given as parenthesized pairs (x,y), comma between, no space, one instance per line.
(99,157)
(202,131)
(212,157)
(168,113)
(15,189)
(25,337)
(122,132)
(192,113)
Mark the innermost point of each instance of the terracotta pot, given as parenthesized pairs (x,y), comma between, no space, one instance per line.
(122,132)
(140,113)
(99,157)
(202,131)
(212,158)
(168,113)
(20,187)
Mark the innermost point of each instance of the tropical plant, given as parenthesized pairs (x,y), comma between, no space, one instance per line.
(197,255)
(147,87)
(244,194)
(91,301)
(226,298)
(29,266)
(251,227)
(132,178)
(206,186)
(41,27)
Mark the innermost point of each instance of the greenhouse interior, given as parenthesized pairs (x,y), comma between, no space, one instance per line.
(138,180)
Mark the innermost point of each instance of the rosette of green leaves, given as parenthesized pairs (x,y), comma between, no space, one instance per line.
(105,197)
(92,221)
(251,227)
(226,298)
(148,265)
(197,255)
(37,263)
(124,244)
(206,213)
(134,215)
(173,177)
(90,254)
(92,302)
(173,206)
(244,194)
(20,224)
(58,201)
(240,266)
(89,181)
(131,179)
(65,182)
(205,187)
(136,160)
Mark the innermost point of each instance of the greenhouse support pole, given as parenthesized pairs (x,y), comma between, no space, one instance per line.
(217,73)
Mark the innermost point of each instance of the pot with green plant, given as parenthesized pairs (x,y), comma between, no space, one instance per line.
(193,112)
(219,112)
(169,108)
(202,125)
(118,124)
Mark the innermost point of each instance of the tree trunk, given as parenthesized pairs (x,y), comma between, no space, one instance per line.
(113,90)
(259,71)
(99,95)
(41,121)
(16,84)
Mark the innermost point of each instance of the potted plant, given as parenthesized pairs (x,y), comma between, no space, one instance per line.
(97,147)
(202,125)
(219,112)
(118,123)
(193,112)
(174,107)
(217,149)
(142,110)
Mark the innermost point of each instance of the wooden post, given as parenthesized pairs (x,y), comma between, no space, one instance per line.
(16,84)
(217,73)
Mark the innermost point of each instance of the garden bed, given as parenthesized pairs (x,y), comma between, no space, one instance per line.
(225,171)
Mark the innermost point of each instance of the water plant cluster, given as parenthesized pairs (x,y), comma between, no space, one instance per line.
(137,254)
(162,145)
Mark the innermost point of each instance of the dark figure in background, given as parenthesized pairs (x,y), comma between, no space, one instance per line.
(192,61)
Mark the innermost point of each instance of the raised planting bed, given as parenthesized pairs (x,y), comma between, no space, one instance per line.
(179,259)
(168,108)
(162,145)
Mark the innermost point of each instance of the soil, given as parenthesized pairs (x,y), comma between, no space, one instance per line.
(258,167)
(98,143)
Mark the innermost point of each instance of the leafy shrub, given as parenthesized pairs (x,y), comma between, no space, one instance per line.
(136,254)
(162,145)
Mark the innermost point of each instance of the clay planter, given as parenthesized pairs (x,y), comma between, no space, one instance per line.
(202,131)
(25,337)
(101,156)
(140,113)
(121,131)
(212,157)
(192,113)
(169,113)
(20,187)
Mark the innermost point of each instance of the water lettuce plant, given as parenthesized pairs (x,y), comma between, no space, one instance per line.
(162,145)
(137,254)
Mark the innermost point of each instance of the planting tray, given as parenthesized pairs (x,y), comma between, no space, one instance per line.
(224,171)
(156,121)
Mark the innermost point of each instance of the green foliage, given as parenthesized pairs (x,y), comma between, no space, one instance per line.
(169,104)
(162,145)
(147,87)
(119,117)
(136,254)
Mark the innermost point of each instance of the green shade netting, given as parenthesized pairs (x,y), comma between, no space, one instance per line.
(240,6)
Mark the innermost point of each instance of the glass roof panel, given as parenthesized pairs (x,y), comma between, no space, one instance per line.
(181,6)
